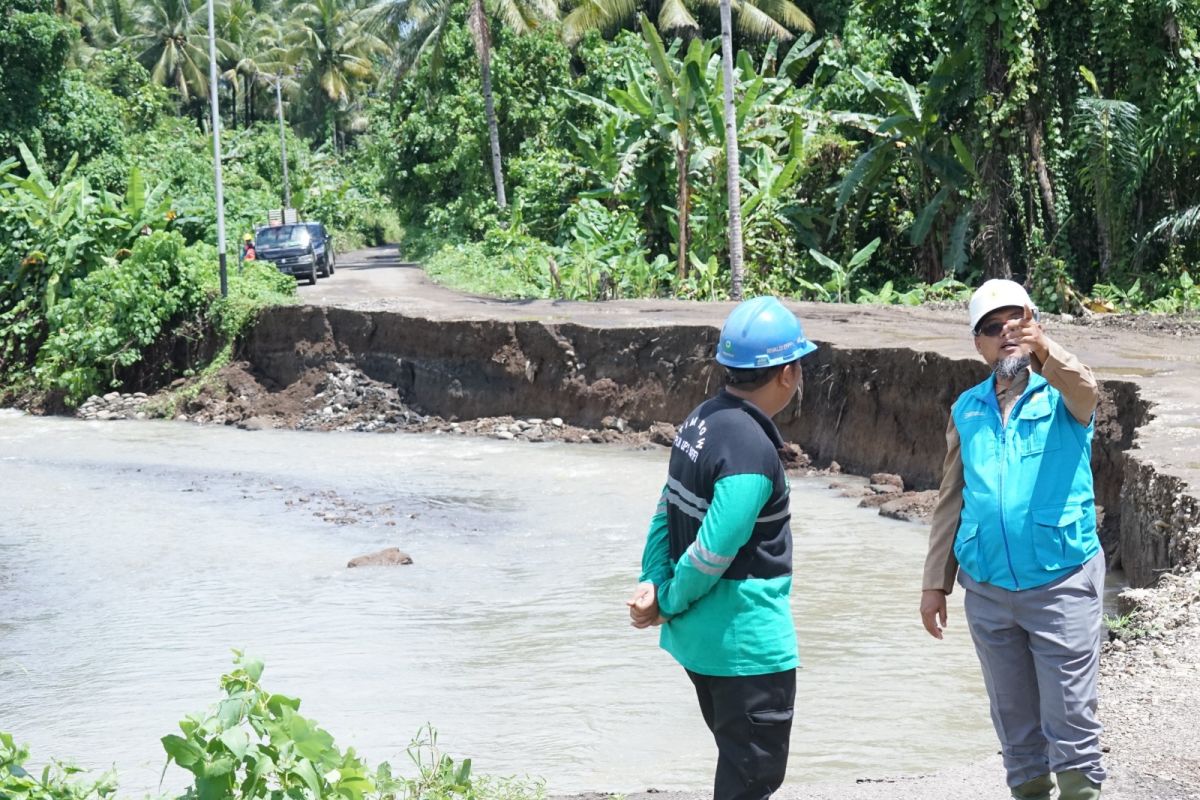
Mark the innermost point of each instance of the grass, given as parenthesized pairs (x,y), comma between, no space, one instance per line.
(469,268)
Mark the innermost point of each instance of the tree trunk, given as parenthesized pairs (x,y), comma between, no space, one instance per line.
(1033,128)
(934,246)
(992,239)
(477,22)
(732,167)
(682,200)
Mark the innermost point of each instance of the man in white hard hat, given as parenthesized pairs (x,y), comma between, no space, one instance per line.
(1016,523)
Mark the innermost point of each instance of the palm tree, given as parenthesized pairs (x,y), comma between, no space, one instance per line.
(1110,130)
(333,49)
(172,42)
(103,23)
(255,48)
(756,19)
(419,24)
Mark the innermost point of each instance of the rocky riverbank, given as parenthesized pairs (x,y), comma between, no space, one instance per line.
(339,397)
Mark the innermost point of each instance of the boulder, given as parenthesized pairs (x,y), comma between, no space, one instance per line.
(662,433)
(390,557)
(874,500)
(911,506)
(793,457)
(888,479)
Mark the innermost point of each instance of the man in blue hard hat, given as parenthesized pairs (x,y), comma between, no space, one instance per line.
(717,566)
(1016,523)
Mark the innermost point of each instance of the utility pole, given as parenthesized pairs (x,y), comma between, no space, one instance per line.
(216,134)
(732,167)
(287,189)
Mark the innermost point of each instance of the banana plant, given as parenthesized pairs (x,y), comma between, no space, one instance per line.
(910,134)
(840,277)
(682,111)
(664,123)
(61,230)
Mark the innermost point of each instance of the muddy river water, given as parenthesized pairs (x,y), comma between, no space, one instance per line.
(135,556)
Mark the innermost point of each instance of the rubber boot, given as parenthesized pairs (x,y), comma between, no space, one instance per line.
(1038,788)
(1074,785)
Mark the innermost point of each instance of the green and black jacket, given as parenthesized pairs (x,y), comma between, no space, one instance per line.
(719,549)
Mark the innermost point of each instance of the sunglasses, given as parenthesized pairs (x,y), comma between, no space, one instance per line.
(992,328)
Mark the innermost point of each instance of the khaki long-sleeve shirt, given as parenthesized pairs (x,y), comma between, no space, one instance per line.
(1065,373)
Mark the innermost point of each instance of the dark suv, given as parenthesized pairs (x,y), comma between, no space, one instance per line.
(303,249)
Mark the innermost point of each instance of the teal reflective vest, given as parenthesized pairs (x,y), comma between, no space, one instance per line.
(1029,513)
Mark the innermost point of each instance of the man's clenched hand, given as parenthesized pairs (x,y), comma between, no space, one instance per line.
(643,606)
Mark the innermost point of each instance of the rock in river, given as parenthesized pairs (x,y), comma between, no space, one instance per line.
(390,557)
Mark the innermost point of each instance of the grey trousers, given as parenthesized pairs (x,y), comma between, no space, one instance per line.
(1040,653)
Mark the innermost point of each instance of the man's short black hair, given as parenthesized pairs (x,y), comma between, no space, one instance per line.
(752,378)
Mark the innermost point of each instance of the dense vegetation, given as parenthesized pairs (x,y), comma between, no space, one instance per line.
(256,745)
(888,150)
(941,143)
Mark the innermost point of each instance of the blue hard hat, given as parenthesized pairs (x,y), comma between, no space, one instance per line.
(761,332)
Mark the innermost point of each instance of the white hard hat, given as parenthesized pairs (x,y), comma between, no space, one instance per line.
(997,293)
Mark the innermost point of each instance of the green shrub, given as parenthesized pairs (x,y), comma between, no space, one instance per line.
(257,285)
(120,309)
(256,745)
(115,312)
(57,782)
(34,45)
(81,120)
(474,267)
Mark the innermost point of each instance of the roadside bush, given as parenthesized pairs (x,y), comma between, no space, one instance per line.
(257,285)
(81,120)
(604,256)
(120,309)
(57,782)
(117,311)
(476,267)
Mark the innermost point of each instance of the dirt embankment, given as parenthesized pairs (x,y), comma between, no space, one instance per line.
(864,411)
(867,410)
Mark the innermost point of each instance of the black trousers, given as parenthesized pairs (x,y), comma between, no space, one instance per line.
(751,720)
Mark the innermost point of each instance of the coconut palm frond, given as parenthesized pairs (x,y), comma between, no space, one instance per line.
(418,37)
(546,9)
(757,24)
(675,18)
(517,16)
(1114,125)
(1181,225)
(786,13)
(596,15)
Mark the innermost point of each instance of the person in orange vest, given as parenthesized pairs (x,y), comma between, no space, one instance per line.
(248,252)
